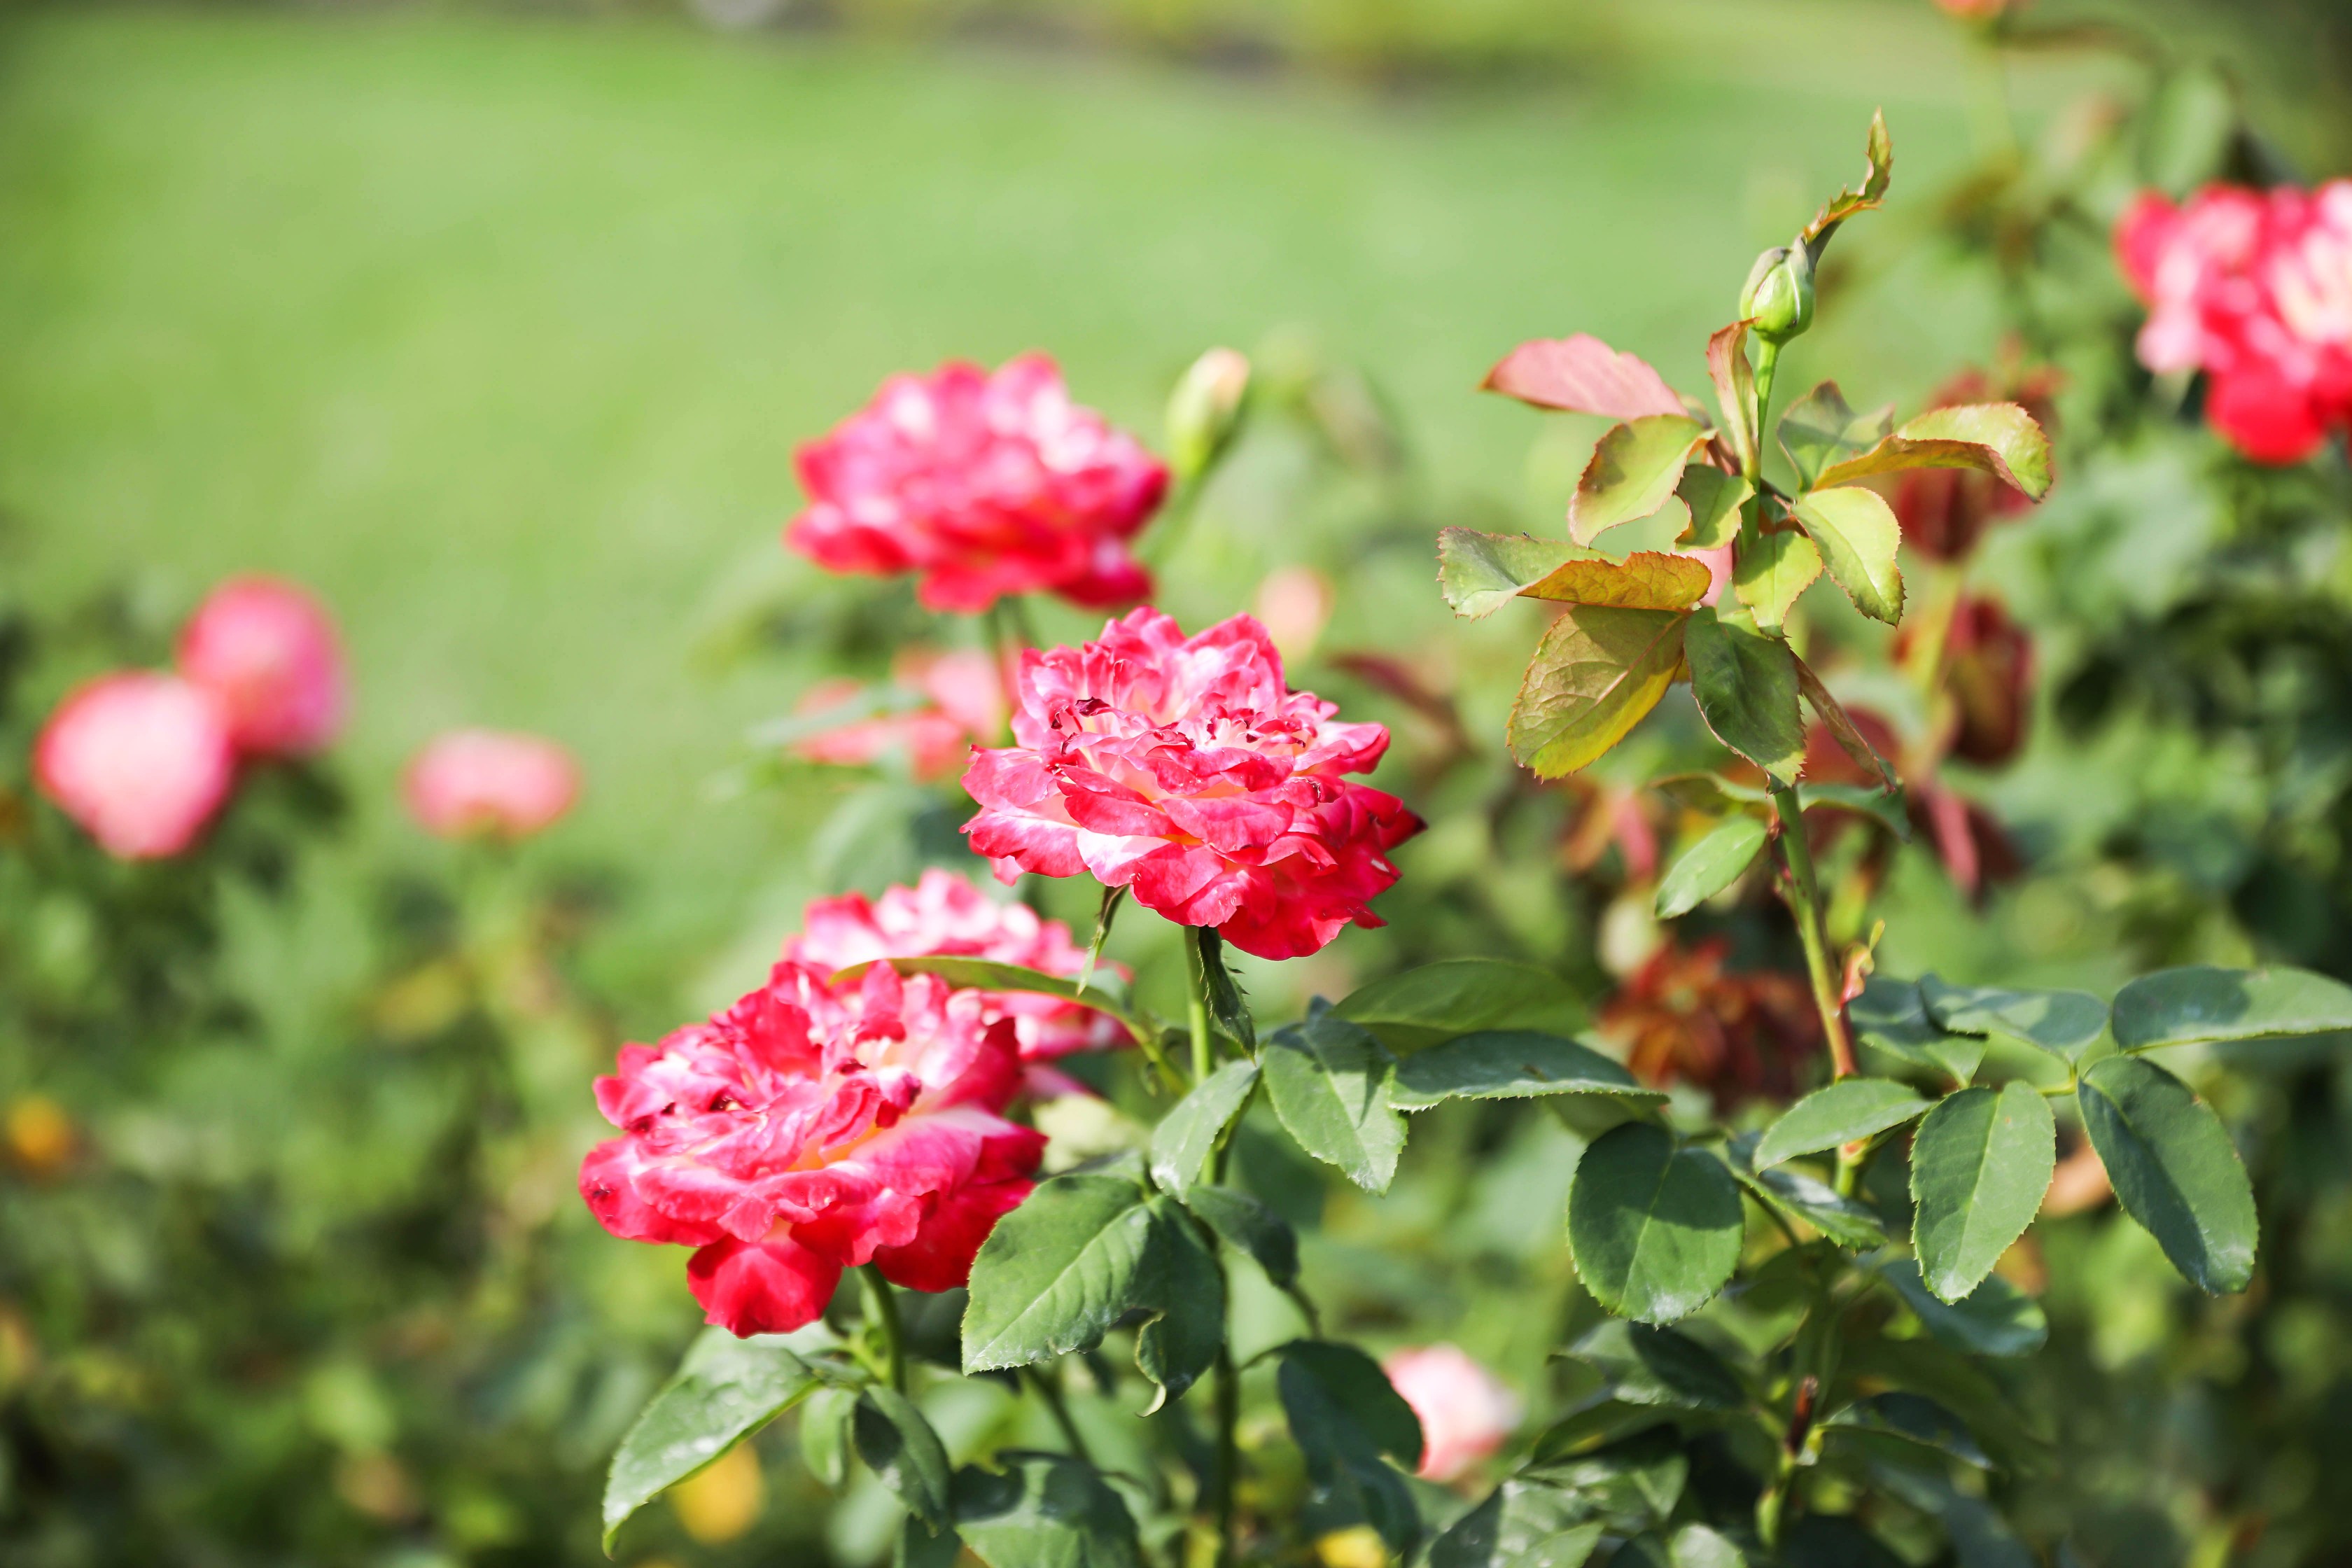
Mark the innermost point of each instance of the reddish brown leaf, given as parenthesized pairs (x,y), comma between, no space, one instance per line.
(1735,386)
(1582,375)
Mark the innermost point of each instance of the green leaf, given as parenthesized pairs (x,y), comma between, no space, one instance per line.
(898,1446)
(1649,1365)
(1890,1015)
(1654,1229)
(1522,1524)
(1957,1381)
(1713,795)
(1843,1113)
(2200,1004)
(1596,674)
(1979,1165)
(1847,734)
(1512,1064)
(1696,1546)
(1845,1221)
(1227,1010)
(1997,439)
(2174,1168)
(1594,1424)
(1056,1271)
(987,974)
(1628,1484)
(917,1547)
(1344,1414)
(1857,535)
(1995,1319)
(1242,1223)
(1711,865)
(1188,1134)
(1714,499)
(1819,429)
(1333,1086)
(1863,800)
(1633,471)
(1481,573)
(1879,170)
(1914,1418)
(1746,684)
(725,1390)
(1044,1511)
(1186,1290)
(824,1434)
(2063,1022)
(1774,568)
(1436,1002)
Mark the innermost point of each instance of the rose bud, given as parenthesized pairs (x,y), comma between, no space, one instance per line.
(1779,298)
(268,651)
(1466,1413)
(490,784)
(141,760)
(1204,411)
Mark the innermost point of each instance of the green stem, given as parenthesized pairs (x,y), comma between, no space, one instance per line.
(882,1316)
(1103,917)
(1768,366)
(1769,1507)
(1805,902)
(1051,1392)
(1196,1007)
(1228,1397)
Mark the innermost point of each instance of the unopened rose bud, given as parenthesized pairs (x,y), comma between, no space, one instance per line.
(1778,297)
(1205,410)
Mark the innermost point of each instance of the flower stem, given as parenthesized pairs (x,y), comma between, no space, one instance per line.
(1805,903)
(1196,1007)
(1226,1390)
(882,1316)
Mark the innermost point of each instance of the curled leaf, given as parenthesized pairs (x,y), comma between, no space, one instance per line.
(1880,170)
(1997,439)
(1632,473)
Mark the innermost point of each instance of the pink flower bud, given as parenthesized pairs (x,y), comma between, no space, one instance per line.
(490,782)
(140,759)
(268,651)
(1465,1411)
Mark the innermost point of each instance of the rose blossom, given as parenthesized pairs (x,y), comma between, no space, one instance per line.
(942,914)
(1465,1411)
(986,485)
(268,651)
(141,760)
(490,782)
(1186,770)
(808,1129)
(2255,288)
(963,703)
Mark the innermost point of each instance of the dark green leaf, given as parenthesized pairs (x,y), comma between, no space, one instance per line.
(1596,673)
(1649,1365)
(1185,1289)
(1696,1546)
(1845,1221)
(1779,563)
(2184,1007)
(1819,429)
(1632,473)
(1857,535)
(1845,1112)
(1713,793)
(1459,996)
(1654,1229)
(1643,1552)
(1714,499)
(1044,1511)
(1056,1271)
(900,1447)
(1522,1524)
(1746,684)
(1593,1423)
(1334,1086)
(1632,1483)
(1242,1223)
(1481,573)
(1914,1418)
(1227,1010)
(2174,1168)
(1511,1064)
(1979,1165)
(1188,1134)
(2063,1022)
(917,1547)
(1953,1379)
(725,1390)
(1344,1414)
(1891,1016)
(1711,865)
(1995,1319)
(1834,1541)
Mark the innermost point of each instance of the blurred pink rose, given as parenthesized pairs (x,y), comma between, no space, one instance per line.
(490,782)
(1185,769)
(985,484)
(140,759)
(268,651)
(808,1129)
(964,703)
(944,914)
(1465,1412)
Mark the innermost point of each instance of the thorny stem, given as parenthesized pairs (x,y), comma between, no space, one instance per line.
(1804,901)
(1050,1392)
(882,1314)
(1196,1008)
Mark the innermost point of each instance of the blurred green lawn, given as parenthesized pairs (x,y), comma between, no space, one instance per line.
(501,333)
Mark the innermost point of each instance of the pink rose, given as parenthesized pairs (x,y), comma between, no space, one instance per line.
(140,759)
(944,914)
(963,702)
(490,782)
(986,485)
(1466,1413)
(808,1129)
(268,651)
(1187,771)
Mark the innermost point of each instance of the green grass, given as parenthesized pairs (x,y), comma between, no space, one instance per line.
(501,335)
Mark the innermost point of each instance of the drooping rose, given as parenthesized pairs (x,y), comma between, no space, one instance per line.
(986,484)
(963,702)
(1186,770)
(2253,288)
(490,784)
(808,1129)
(1988,670)
(1466,1413)
(942,914)
(141,760)
(268,651)
(1687,1017)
